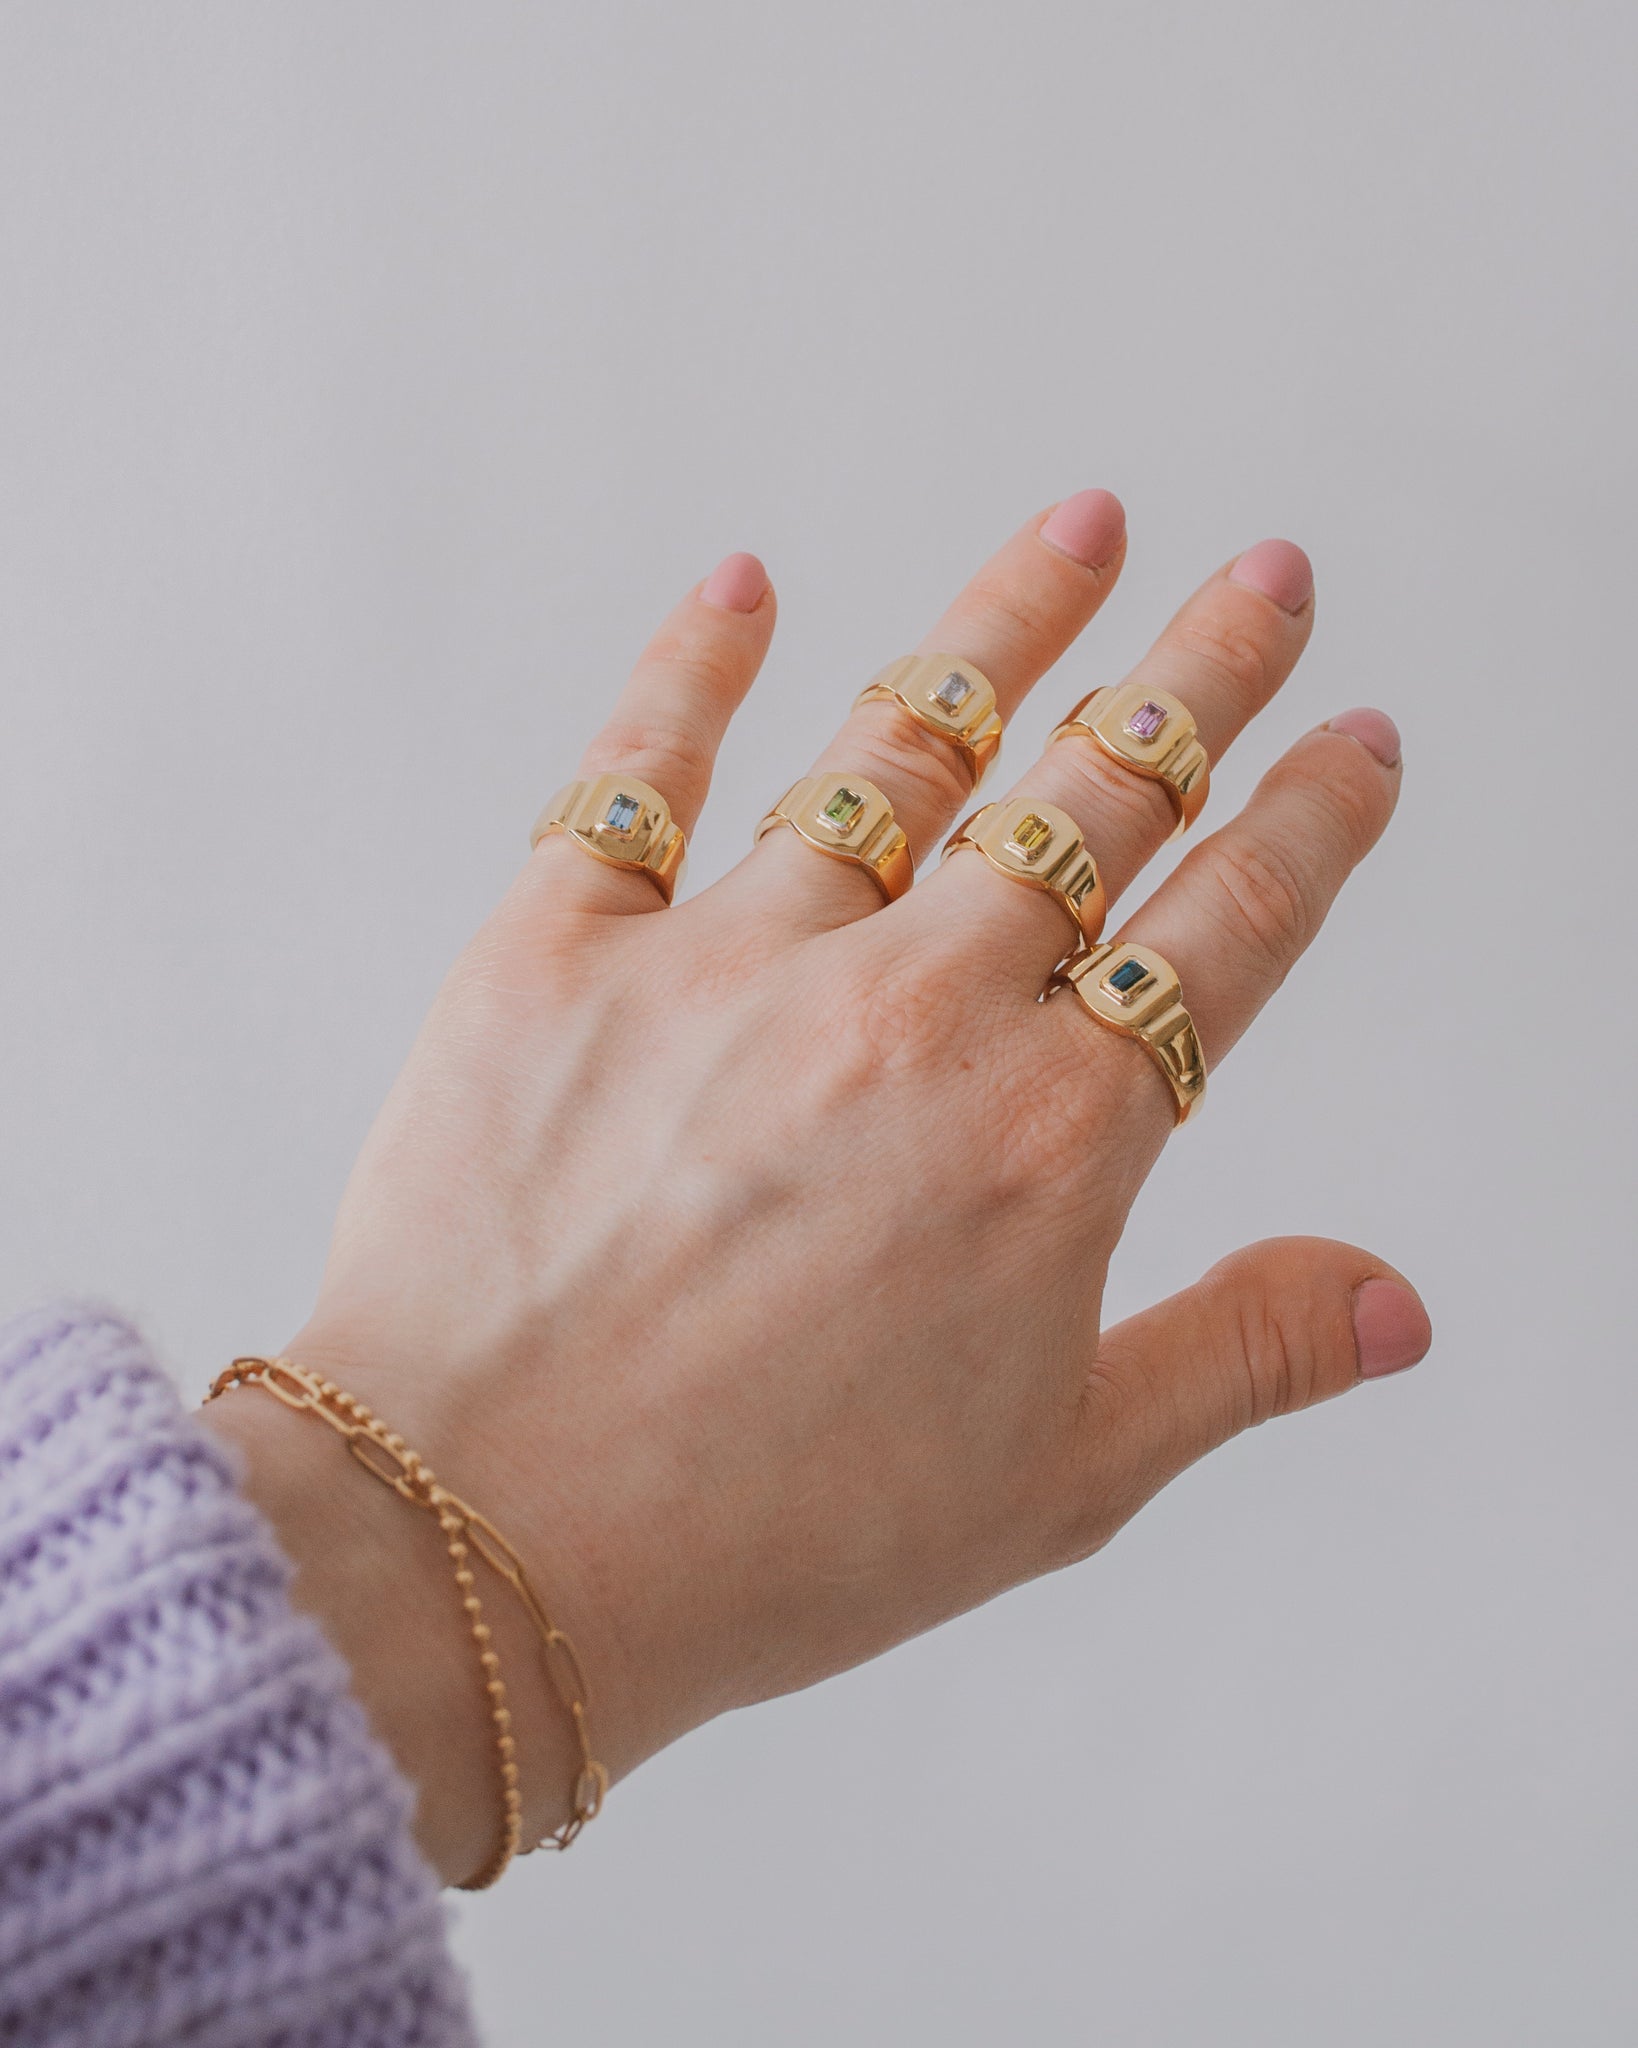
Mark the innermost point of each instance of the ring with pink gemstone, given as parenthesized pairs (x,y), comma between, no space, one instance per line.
(620,821)
(1150,732)
(947,697)
(1042,847)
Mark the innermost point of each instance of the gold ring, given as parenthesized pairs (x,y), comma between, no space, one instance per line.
(950,698)
(1130,989)
(1150,732)
(1042,847)
(621,821)
(848,819)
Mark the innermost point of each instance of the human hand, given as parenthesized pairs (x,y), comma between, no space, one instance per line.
(744,1260)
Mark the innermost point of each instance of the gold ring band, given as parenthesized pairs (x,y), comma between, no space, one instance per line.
(1153,734)
(1128,988)
(621,821)
(847,819)
(1042,847)
(947,697)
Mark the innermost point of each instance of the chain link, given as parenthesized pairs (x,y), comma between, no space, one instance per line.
(387,1458)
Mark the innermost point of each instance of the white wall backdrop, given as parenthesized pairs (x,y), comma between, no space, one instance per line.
(372,377)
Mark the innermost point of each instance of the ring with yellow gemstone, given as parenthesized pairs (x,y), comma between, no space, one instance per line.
(848,819)
(621,821)
(1151,732)
(1042,847)
(949,698)
(1129,988)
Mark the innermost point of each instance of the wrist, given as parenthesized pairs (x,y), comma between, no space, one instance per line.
(375,1573)
(477,1407)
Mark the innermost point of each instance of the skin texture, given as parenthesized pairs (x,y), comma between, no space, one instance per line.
(744,1261)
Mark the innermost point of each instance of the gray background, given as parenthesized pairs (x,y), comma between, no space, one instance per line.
(372,378)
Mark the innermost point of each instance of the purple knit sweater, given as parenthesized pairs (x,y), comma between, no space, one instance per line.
(201,1841)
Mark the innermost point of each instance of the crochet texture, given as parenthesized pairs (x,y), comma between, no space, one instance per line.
(201,1841)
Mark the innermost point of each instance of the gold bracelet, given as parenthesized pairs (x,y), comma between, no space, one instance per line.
(386,1457)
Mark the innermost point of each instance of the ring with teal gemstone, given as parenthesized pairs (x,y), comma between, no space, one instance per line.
(848,819)
(620,821)
(947,697)
(1043,848)
(1130,989)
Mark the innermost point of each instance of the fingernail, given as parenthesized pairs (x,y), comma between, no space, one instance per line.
(735,585)
(1391,1329)
(1280,570)
(1088,527)
(1374,730)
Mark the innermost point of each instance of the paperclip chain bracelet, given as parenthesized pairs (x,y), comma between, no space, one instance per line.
(385,1456)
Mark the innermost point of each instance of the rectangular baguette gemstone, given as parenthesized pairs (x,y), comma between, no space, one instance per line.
(1030,835)
(953,692)
(844,806)
(1130,974)
(1146,720)
(622,815)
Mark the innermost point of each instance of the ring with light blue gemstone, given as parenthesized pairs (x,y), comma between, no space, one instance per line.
(622,822)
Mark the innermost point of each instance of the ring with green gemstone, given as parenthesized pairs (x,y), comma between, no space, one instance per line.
(947,697)
(1042,847)
(850,820)
(1128,988)
(621,821)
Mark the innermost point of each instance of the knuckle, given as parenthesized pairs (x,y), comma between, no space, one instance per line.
(697,664)
(899,1020)
(1022,622)
(1343,794)
(923,776)
(1115,808)
(1258,1390)
(873,1040)
(1258,899)
(1278,1369)
(1209,643)
(514,970)
(670,752)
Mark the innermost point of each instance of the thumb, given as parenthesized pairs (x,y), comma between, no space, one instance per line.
(1273,1328)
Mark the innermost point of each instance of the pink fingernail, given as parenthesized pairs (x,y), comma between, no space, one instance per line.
(1391,1329)
(1280,570)
(1374,730)
(735,585)
(1088,527)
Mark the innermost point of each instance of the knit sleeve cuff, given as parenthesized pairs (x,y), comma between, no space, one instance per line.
(201,1840)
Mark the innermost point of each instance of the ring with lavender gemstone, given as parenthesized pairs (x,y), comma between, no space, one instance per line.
(947,697)
(1150,732)
(850,820)
(617,819)
(1129,989)
(1042,847)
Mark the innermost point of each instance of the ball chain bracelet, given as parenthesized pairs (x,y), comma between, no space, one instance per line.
(386,1457)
